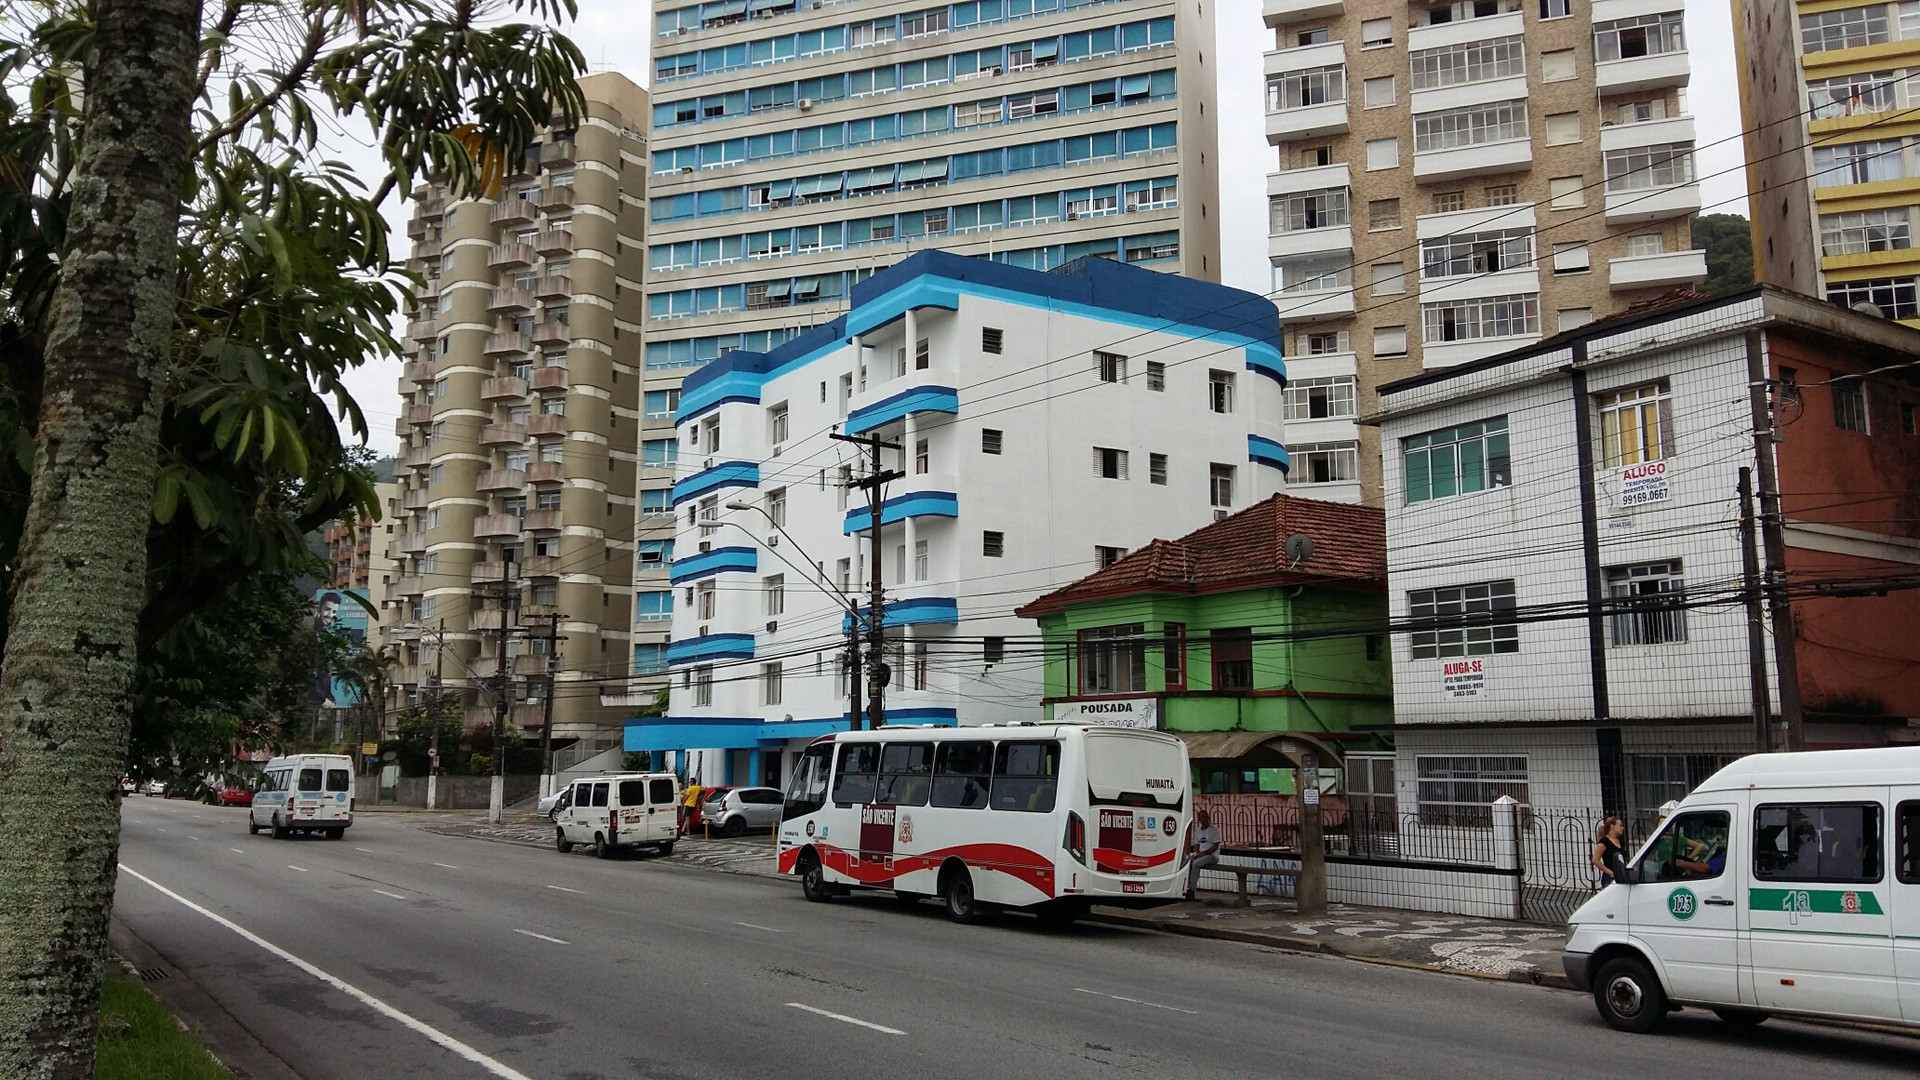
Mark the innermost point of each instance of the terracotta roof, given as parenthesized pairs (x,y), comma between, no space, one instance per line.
(1245,550)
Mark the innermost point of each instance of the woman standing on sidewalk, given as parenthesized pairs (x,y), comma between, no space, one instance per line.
(1608,856)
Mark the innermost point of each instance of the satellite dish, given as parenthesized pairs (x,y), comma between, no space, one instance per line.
(1869,308)
(1299,549)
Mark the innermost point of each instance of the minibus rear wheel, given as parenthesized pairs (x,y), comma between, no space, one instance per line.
(280,832)
(1629,995)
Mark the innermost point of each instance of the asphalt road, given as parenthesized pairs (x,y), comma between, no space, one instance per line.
(419,949)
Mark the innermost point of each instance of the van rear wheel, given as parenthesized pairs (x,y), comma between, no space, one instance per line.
(280,832)
(336,833)
(253,827)
(560,842)
(601,849)
(1629,996)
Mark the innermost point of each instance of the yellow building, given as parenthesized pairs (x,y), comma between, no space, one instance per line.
(1833,147)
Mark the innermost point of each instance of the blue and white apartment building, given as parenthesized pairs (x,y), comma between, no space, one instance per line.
(798,148)
(1048,422)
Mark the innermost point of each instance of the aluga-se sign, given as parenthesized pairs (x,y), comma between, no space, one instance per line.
(1119,712)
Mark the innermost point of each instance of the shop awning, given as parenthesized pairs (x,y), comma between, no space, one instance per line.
(1256,749)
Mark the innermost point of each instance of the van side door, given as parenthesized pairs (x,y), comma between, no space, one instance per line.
(573,820)
(1905,891)
(1686,907)
(1822,932)
(663,808)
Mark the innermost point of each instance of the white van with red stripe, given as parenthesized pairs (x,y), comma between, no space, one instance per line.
(1052,818)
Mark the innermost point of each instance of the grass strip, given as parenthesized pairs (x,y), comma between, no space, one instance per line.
(141,1040)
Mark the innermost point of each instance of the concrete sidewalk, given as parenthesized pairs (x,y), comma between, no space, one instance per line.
(1456,944)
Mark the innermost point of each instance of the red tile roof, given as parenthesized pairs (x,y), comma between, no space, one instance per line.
(1247,550)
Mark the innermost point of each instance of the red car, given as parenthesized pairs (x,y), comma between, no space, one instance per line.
(234,796)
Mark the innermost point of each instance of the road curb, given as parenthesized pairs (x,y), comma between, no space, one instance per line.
(1290,943)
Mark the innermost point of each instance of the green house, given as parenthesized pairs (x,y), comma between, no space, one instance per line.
(1240,628)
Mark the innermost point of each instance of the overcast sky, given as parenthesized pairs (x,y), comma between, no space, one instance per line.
(615,35)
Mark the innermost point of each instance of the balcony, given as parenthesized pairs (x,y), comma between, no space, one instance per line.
(503,387)
(1297,121)
(1446,354)
(427,250)
(503,434)
(417,457)
(1475,286)
(415,499)
(506,343)
(491,620)
(1656,271)
(545,472)
(1641,73)
(547,424)
(1652,204)
(1318,178)
(496,525)
(482,572)
(512,210)
(1463,95)
(1310,241)
(422,330)
(483,667)
(922,495)
(1465,32)
(416,228)
(432,207)
(1282,12)
(556,198)
(1672,130)
(510,255)
(411,585)
(548,378)
(501,480)
(1308,122)
(413,543)
(544,521)
(557,152)
(419,414)
(554,242)
(541,566)
(530,664)
(551,333)
(420,372)
(509,298)
(554,287)
(931,389)
(1315,305)
(1479,159)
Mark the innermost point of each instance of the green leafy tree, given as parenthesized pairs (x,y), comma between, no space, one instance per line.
(1728,242)
(185,277)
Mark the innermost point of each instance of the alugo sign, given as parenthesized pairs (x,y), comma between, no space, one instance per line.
(1643,483)
(1126,712)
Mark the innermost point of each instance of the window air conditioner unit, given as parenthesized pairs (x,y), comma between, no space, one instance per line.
(686,170)
(1219,515)
(681,31)
(707,464)
(706,546)
(703,631)
(773,541)
(773,627)
(1073,215)
(776,452)
(806,103)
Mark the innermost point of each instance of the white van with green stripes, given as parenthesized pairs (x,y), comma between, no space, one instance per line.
(1786,884)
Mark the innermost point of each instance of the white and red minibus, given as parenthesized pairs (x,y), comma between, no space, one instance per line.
(1050,817)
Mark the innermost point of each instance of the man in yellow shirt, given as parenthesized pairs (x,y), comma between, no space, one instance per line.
(690,806)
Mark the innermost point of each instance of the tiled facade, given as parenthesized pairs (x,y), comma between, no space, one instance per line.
(520,421)
(1459,180)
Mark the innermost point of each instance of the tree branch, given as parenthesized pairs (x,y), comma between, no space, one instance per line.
(296,73)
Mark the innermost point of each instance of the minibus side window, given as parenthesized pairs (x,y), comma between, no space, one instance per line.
(339,780)
(1692,847)
(309,779)
(961,773)
(858,774)
(633,793)
(905,770)
(1906,843)
(1831,842)
(1025,775)
(662,791)
(600,794)
(808,791)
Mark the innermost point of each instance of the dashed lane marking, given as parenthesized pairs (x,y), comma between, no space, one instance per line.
(368,850)
(562,888)
(236,851)
(1137,1001)
(854,1020)
(439,1037)
(302,869)
(757,926)
(446,866)
(542,937)
(395,895)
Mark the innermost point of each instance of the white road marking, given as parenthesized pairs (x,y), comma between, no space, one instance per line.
(1137,1001)
(163,830)
(236,851)
(563,888)
(883,1029)
(302,869)
(395,895)
(542,937)
(190,836)
(374,1003)
(757,926)
(446,866)
(368,850)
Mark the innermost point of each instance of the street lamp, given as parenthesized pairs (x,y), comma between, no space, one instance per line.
(439,638)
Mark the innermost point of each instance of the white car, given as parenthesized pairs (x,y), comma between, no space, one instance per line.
(551,804)
(156,787)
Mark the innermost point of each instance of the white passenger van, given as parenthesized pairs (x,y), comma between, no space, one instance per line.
(1048,817)
(304,793)
(1786,884)
(619,810)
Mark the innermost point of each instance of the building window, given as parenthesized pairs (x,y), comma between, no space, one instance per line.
(661,403)
(1377,93)
(703,685)
(1220,485)
(1897,298)
(710,435)
(654,606)
(1326,344)
(1470,62)
(1173,645)
(1446,202)
(1861,231)
(1502,194)
(1636,425)
(1307,210)
(1859,163)
(1389,279)
(1305,89)
(1110,367)
(1109,463)
(1156,376)
(1113,659)
(990,340)
(1329,398)
(654,503)
(1563,128)
(1647,603)
(1567,192)
(1571,319)
(1383,154)
(1850,405)
(1571,259)
(1104,556)
(1157,468)
(705,595)
(1858,94)
(1462,616)
(1641,167)
(1477,253)
(990,440)
(1558,65)
(1232,651)
(1457,460)
(1375,33)
(1484,317)
(1389,341)
(777,424)
(993,650)
(775,590)
(1220,391)
(770,680)
(1469,125)
(1646,35)
(1458,791)
(649,659)
(1324,463)
(655,553)
(777,506)
(1383,214)
(993,544)
(1848,28)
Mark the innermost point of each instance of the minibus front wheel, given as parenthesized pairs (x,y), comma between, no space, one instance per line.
(813,879)
(1629,996)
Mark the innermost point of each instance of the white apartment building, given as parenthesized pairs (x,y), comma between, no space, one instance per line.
(1047,424)
(1549,510)
(797,148)
(1458,180)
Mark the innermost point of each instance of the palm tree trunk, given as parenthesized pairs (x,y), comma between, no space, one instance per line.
(81,579)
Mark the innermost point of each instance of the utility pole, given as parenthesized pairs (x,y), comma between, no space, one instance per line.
(872,483)
(1773,540)
(507,594)
(553,639)
(1756,634)
(433,714)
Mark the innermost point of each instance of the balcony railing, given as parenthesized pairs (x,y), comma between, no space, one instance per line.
(509,298)
(419,414)
(554,242)
(544,521)
(501,480)
(506,343)
(541,566)
(490,571)
(514,254)
(488,525)
(548,378)
(423,330)
(547,424)
(545,472)
(503,386)
(503,434)
(556,198)
(552,333)
(512,210)
(415,500)
(554,287)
